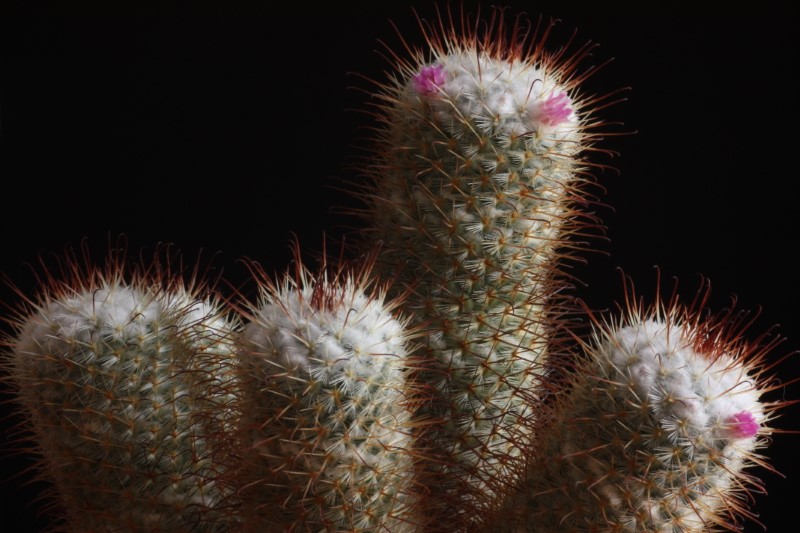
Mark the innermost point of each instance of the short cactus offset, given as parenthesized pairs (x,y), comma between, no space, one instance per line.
(125,383)
(325,435)
(473,194)
(664,413)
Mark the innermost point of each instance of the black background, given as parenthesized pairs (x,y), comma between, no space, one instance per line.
(226,132)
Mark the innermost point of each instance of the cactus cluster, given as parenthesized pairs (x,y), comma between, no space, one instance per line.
(431,382)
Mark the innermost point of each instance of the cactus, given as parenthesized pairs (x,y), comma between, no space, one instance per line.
(473,194)
(444,401)
(125,383)
(663,414)
(325,422)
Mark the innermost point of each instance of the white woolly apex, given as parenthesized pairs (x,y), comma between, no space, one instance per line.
(688,391)
(202,316)
(347,334)
(114,310)
(515,97)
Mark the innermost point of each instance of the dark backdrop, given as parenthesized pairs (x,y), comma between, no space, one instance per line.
(226,133)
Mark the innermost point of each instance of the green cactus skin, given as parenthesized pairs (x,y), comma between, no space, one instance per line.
(124,385)
(325,426)
(663,416)
(474,195)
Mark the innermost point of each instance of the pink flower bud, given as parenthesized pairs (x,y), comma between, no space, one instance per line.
(741,425)
(555,110)
(429,79)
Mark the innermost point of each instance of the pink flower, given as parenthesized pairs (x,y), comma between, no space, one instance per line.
(555,110)
(429,79)
(741,425)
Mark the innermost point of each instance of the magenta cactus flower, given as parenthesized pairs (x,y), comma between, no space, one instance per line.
(742,425)
(429,79)
(556,109)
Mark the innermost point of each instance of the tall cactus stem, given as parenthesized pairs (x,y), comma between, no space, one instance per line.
(477,192)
